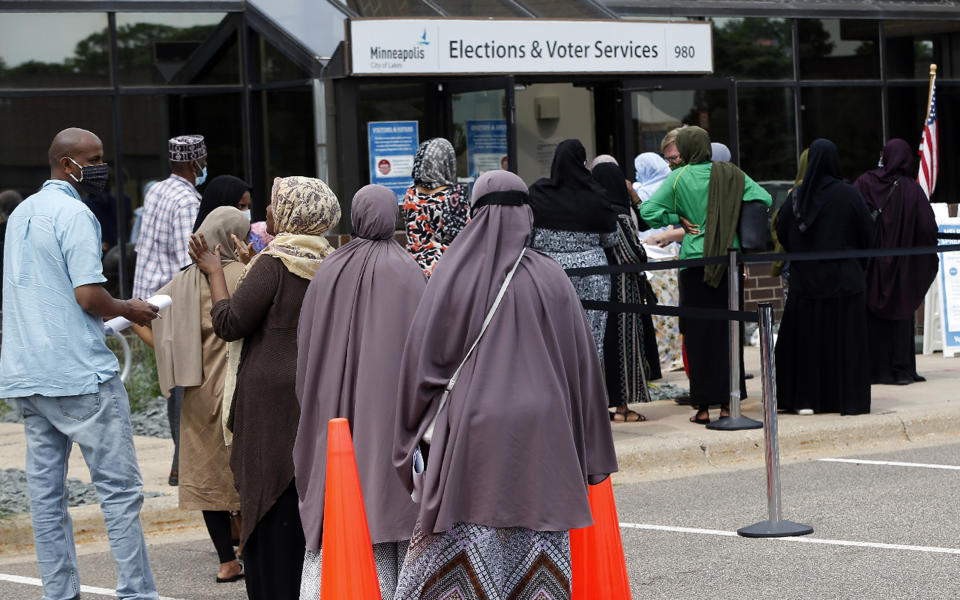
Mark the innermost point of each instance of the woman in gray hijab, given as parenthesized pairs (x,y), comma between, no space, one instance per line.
(353,325)
(525,428)
(435,208)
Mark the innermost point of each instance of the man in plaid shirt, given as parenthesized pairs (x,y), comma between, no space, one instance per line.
(169,210)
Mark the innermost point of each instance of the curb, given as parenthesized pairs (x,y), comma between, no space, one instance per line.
(799,439)
(158,515)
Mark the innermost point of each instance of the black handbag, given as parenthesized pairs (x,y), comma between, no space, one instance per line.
(754,227)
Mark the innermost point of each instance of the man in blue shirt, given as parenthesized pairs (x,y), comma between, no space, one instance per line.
(57,366)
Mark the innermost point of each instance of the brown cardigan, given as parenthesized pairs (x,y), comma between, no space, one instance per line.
(264,312)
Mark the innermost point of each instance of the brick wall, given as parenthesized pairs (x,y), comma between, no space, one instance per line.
(759,286)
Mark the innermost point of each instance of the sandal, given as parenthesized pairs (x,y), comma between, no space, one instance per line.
(236,577)
(627,416)
(700,420)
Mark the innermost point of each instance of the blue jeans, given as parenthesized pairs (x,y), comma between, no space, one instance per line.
(100,424)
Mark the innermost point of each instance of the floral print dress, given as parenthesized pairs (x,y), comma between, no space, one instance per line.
(433,221)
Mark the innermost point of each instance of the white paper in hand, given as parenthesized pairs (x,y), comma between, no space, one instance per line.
(118,324)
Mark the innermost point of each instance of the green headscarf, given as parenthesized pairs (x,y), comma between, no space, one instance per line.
(693,144)
(724,197)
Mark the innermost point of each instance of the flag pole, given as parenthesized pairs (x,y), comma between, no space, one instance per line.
(933,76)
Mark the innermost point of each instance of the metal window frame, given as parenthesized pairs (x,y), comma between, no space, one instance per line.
(241,17)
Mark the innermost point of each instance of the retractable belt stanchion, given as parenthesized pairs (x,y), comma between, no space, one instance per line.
(774,526)
(735,421)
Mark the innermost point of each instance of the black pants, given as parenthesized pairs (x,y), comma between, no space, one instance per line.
(893,356)
(218,526)
(273,554)
(174,404)
(707,341)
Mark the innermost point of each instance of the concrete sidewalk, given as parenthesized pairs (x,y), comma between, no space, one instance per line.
(666,445)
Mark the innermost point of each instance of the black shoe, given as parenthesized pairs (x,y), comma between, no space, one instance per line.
(174,478)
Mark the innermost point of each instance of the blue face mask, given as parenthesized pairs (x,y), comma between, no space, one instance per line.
(248,214)
(202,177)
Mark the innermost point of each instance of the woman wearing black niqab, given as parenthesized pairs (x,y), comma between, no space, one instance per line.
(896,284)
(821,352)
(572,223)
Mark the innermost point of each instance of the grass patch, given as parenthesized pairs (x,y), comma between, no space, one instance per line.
(142,382)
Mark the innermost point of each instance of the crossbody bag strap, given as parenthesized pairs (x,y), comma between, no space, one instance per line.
(486,321)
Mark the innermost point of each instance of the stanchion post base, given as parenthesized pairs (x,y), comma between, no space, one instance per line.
(731,424)
(766,529)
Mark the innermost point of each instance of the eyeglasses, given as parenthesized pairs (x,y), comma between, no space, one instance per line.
(672,159)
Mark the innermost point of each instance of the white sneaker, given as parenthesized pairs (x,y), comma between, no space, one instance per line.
(805,411)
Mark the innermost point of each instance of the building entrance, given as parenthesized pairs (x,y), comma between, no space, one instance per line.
(516,123)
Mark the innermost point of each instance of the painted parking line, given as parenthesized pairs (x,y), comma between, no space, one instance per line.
(799,540)
(85,589)
(891,463)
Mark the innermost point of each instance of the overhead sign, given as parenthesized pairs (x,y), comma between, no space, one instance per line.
(392,147)
(457,46)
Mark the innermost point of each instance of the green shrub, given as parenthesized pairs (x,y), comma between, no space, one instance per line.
(142,382)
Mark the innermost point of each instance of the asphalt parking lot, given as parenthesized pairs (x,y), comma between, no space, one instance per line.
(880,531)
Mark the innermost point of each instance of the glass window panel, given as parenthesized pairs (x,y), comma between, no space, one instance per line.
(838,49)
(566,9)
(656,113)
(908,107)
(145,129)
(29,124)
(148,121)
(389,102)
(391,8)
(753,48)
(827,112)
(476,106)
(218,118)
(289,135)
(275,66)
(768,148)
(74,52)
(176,49)
(479,8)
(948,123)
(913,45)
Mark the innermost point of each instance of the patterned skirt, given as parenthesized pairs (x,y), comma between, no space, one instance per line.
(669,342)
(573,250)
(388,557)
(476,562)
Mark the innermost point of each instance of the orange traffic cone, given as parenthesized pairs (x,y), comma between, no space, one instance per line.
(596,552)
(348,571)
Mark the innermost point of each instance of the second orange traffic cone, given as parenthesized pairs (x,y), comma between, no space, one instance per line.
(596,552)
(348,571)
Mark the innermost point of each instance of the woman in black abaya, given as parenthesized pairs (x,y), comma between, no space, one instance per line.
(822,356)
(896,285)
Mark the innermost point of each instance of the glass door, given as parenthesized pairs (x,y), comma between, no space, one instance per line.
(480,124)
(651,108)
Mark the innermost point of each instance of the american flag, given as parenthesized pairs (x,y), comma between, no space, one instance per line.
(930,147)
